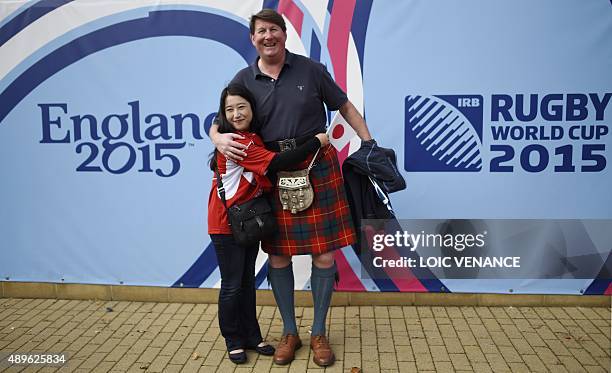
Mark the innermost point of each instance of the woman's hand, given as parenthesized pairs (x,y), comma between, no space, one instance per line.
(323,138)
(225,144)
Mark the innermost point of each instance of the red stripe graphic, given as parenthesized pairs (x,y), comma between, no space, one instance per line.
(293,14)
(349,280)
(338,38)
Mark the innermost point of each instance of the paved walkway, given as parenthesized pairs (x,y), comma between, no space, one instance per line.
(173,337)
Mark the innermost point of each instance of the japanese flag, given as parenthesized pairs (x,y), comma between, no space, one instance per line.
(343,137)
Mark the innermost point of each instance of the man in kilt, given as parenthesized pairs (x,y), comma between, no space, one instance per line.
(291,92)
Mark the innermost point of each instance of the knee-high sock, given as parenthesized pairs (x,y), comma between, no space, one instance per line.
(322,284)
(282,283)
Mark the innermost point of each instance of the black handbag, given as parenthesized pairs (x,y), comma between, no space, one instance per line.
(250,221)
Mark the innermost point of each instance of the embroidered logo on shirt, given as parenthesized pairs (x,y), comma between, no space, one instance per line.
(301,87)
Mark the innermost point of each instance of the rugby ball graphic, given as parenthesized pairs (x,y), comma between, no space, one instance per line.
(443,133)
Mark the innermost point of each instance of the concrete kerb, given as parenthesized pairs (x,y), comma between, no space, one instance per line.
(13,289)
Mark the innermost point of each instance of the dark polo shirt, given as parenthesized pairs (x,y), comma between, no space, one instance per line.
(292,105)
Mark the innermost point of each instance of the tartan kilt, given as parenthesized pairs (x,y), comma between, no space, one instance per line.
(323,227)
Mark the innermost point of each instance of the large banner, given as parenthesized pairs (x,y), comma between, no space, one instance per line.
(499,114)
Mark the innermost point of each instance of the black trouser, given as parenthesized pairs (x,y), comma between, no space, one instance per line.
(237,314)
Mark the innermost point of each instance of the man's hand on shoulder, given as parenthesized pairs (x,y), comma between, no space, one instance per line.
(227,145)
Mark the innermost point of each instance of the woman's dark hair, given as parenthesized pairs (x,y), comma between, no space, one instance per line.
(225,126)
(267,15)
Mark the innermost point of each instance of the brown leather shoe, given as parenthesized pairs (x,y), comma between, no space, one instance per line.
(322,354)
(285,351)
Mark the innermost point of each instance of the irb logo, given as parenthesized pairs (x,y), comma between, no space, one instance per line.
(468,102)
(443,133)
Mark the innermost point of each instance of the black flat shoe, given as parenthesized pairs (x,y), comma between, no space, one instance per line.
(266,350)
(238,358)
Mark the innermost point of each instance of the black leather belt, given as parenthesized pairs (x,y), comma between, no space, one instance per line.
(287,144)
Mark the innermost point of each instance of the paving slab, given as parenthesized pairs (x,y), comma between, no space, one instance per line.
(129,336)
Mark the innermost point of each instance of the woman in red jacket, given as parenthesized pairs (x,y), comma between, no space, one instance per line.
(243,180)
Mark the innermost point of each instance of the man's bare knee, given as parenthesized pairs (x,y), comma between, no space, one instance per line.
(323,260)
(279,261)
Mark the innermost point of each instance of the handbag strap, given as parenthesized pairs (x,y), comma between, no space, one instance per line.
(220,188)
(313,159)
(317,153)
